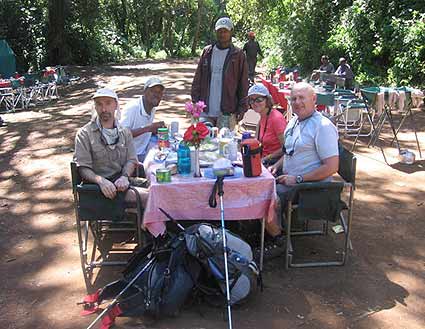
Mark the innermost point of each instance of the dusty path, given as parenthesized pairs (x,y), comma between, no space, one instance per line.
(382,286)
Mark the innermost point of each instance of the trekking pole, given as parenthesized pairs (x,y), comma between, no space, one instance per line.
(219,183)
(114,301)
(172,219)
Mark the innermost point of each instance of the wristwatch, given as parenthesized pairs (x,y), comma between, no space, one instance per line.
(299,179)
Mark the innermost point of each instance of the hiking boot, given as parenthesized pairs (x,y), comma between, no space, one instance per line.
(273,247)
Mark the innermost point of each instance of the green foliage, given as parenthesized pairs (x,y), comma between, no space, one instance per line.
(384,41)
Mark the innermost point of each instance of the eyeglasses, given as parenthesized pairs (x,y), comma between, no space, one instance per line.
(256,100)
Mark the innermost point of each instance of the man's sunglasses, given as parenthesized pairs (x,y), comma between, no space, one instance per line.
(256,100)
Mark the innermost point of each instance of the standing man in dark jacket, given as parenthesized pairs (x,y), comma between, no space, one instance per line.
(252,49)
(221,78)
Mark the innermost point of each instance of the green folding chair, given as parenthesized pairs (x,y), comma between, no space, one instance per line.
(98,221)
(323,202)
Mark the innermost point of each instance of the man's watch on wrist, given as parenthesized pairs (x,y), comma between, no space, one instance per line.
(299,179)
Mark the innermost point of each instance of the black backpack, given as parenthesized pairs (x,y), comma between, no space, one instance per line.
(163,287)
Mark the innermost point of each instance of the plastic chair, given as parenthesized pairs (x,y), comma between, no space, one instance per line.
(96,218)
(322,202)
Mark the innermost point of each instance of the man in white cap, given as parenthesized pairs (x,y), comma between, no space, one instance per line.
(104,150)
(139,117)
(221,78)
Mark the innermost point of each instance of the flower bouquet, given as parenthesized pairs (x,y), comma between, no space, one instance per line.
(197,132)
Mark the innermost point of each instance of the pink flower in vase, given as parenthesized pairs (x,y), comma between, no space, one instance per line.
(195,109)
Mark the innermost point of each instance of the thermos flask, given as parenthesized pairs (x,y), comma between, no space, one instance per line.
(251,157)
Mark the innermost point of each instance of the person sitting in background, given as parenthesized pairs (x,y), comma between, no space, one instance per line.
(272,123)
(344,70)
(139,116)
(104,150)
(325,66)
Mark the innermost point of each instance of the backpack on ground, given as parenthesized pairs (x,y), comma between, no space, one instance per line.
(205,243)
(163,287)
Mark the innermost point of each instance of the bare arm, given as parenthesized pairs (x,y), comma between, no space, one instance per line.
(274,168)
(279,152)
(328,168)
(153,128)
(108,188)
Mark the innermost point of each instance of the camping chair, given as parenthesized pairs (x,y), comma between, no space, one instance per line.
(406,111)
(322,202)
(249,122)
(33,89)
(7,99)
(19,92)
(97,217)
(354,113)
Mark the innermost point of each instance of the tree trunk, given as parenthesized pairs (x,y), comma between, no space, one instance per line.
(197,28)
(56,40)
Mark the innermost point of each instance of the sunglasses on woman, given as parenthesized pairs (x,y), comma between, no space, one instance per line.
(259,99)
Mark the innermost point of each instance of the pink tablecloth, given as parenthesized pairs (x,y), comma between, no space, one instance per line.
(186,198)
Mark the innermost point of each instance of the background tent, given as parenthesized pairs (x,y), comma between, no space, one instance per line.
(7,60)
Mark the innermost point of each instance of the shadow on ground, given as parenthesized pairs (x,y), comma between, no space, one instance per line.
(382,285)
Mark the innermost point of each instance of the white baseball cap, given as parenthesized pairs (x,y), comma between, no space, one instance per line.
(105,92)
(224,23)
(258,90)
(152,82)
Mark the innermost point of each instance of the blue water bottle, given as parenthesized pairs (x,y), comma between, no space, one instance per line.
(183,159)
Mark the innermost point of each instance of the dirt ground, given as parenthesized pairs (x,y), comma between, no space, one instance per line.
(381,286)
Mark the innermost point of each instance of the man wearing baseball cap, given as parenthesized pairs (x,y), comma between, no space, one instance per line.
(252,49)
(104,150)
(139,116)
(221,78)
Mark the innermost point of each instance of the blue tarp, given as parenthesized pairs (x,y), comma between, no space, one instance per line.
(7,60)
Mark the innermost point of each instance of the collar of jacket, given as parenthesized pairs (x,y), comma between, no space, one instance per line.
(231,51)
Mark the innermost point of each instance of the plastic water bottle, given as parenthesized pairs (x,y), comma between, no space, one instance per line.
(233,150)
(183,159)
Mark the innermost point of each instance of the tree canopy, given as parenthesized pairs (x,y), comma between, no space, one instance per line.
(384,41)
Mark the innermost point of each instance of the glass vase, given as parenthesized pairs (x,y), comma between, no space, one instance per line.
(197,169)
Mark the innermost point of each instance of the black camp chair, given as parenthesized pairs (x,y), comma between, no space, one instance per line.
(321,201)
(97,219)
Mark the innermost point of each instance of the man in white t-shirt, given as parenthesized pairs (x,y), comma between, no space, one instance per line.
(139,116)
(310,149)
